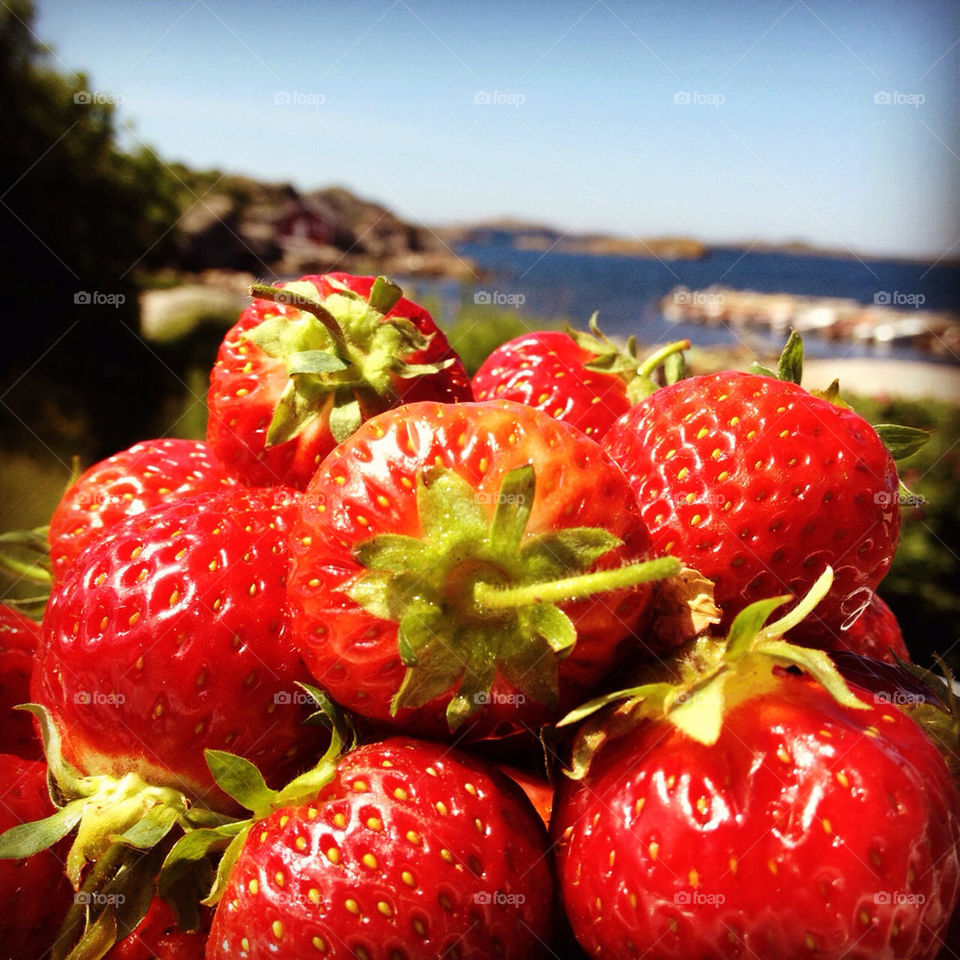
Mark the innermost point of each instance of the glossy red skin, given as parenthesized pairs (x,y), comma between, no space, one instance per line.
(825,810)
(34,892)
(237,427)
(19,638)
(875,633)
(131,481)
(158,938)
(207,663)
(495,877)
(538,789)
(547,369)
(825,493)
(352,653)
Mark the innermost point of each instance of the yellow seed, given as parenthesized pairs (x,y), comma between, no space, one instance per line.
(320,944)
(470,788)
(339,820)
(400,793)
(360,786)
(782,754)
(654,849)
(301,843)
(244,944)
(695,520)
(313,895)
(682,473)
(842,779)
(413,836)
(703,432)
(827,828)
(369,860)
(446,855)
(253,886)
(442,808)
(694,878)
(333,855)
(278,879)
(375,823)
(407,878)
(352,905)
(384,908)
(277,928)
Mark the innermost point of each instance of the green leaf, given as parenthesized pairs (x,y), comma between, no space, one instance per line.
(394,552)
(638,694)
(438,670)
(343,731)
(149,831)
(409,371)
(384,295)
(472,695)
(374,592)
(305,787)
(97,939)
(314,362)
(447,502)
(225,867)
(291,415)
(573,550)
(553,625)
(345,417)
(747,624)
(902,442)
(26,839)
(533,670)
(674,368)
(418,630)
(818,664)
(239,778)
(762,371)
(182,886)
(197,844)
(790,365)
(512,511)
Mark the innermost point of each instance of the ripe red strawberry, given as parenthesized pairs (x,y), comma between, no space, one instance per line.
(158,938)
(34,892)
(759,485)
(170,635)
(875,633)
(410,850)
(293,379)
(797,825)
(129,482)
(438,562)
(19,638)
(581,378)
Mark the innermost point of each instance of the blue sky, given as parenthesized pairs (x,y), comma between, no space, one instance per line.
(832,122)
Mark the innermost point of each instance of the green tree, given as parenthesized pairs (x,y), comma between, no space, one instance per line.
(81,216)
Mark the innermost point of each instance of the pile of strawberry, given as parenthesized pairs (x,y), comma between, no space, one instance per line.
(303,690)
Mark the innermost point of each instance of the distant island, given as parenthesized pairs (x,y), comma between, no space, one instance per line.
(528,236)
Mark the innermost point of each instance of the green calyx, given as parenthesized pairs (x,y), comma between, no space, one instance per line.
(713,678)
(343,354)
(623,362)
(241,780)
(476,594)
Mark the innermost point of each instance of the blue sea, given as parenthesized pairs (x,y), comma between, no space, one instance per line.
(626,291)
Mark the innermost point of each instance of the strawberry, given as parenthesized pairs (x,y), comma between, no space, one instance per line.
(129,482)
(19,637)
(875,633)
(170,635)
(758,485)
(34,892)
(440,561)
(407,849)
(751,812)
(308,361)
(584,379)
(159,938)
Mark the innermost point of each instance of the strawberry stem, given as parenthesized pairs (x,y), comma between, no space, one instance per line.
(384,295)
(278,295)
(655,359)
(491,597)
